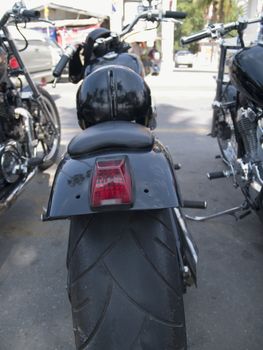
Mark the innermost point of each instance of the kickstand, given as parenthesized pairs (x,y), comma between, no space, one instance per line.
(243,208)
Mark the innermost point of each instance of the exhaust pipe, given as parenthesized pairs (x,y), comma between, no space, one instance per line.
(5,203)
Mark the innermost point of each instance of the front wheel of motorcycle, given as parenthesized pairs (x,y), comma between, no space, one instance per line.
(47,135)
(124,282)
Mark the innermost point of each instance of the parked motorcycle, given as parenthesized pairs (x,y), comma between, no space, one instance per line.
(130,254)
(29,120)
(238,115)
(155,58)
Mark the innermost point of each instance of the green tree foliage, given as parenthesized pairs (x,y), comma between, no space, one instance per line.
(221,10)
(198,17)
(194,21)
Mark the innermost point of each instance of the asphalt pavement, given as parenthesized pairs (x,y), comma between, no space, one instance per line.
(225,311)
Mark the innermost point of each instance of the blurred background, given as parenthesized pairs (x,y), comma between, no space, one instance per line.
(72,22)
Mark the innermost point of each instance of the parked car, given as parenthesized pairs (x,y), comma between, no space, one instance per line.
(56,52)
(184,57)
(41,54)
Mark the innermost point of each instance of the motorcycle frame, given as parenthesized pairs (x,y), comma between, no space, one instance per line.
(221,83)
(219,105)
(8,200)
(35,92)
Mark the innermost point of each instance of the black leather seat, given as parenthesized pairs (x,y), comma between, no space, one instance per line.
(111,135)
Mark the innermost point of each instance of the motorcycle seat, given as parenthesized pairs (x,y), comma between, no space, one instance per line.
(111,135)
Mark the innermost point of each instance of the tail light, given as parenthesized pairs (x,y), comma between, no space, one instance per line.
(111,183)
(13,63)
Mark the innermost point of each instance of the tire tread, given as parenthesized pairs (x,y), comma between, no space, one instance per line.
(114,303)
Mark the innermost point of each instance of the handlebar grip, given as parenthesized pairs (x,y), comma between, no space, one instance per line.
(30,13)
(175,14)
(195,37)
(60,65)
(68,54)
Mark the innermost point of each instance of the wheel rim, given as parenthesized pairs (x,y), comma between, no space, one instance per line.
(48,141)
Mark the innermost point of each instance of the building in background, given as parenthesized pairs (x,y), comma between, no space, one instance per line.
(251,9)
(70,24)
(73,20)
(70,20)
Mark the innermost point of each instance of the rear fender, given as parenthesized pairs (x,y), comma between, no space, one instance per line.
(154,184)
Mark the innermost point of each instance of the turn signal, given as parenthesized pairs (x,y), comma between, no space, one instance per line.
(111,183)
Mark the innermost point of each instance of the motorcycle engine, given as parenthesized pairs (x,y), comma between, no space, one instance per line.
(10,162)
(12,137)
(247,127)
(250,127)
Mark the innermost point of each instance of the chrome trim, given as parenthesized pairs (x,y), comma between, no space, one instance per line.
(230,211)
(256,186)
(28,122)
(14,194)
(186,234)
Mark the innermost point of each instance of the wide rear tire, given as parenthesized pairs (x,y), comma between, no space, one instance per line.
(124,282)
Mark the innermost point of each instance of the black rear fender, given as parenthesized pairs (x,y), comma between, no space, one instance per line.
(154,184)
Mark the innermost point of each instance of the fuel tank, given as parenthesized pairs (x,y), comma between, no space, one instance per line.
(246,73)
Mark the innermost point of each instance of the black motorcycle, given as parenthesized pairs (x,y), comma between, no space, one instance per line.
(29,120)
(130,255)
(238,113)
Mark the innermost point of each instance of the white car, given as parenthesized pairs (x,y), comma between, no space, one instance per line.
(184,58)
(40,56)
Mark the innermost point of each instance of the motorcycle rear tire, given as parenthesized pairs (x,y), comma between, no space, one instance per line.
(124,282)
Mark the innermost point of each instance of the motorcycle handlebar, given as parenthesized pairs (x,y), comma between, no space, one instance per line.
(29,13)
(213,31)
(150,15)
(195,37)
(69,52)
(105,40)
(218,30)
(153,15)
(19,11)
(67,55)
(174,14)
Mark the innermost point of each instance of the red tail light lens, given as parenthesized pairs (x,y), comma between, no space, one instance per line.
(111,183)
(13,64)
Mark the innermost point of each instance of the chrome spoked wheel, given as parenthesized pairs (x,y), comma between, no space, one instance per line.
(48,132)
(226,138)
